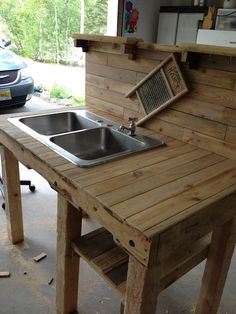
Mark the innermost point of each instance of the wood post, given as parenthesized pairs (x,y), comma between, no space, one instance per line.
(218,262)
(68,228)
(11,185)
(142,289)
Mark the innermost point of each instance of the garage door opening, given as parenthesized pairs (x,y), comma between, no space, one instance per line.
(41,35)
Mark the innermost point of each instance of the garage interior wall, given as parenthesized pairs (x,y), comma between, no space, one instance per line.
(148,15)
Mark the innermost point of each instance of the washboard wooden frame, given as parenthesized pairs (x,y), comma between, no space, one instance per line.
(160,88)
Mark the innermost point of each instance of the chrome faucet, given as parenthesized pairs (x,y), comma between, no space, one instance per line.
(131,128)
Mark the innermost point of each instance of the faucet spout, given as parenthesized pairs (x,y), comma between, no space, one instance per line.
(131,128)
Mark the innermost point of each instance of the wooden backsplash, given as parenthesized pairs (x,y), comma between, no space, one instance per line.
(205,117)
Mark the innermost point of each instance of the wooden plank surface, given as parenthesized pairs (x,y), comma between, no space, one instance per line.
(143,201)
(68,227)
(212,128)
(218,262)
(111,262)
(111,96)
(187,202)
(215,50)
(122,75)
(140,65)
(209,108)
(200,108)
(212,77)
(119,187)
(162,174)
(147,199)
(12,194)
(141,298)
(184,155)
(143,190)
(212,144)
(101,252)
(106,39)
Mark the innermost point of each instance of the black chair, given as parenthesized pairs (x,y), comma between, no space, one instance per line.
(22,182)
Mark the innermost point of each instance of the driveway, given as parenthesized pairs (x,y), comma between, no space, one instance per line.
(71,78)
(34,104)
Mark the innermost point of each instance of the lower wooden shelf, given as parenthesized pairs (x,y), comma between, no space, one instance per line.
(111,261)
(104,256)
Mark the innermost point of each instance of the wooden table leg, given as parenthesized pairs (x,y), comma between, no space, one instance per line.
(142,289)
(11,185)
(69,221)
(218,262)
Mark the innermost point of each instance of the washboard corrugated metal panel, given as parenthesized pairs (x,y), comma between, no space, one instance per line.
(160,88)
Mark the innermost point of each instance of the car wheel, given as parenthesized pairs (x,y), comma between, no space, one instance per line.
(21,104)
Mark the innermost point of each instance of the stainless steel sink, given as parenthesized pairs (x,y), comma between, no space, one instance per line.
(50,124)
(98,144)
(82,137)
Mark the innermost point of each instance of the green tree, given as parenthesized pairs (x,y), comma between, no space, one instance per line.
(42,29)
(96,17)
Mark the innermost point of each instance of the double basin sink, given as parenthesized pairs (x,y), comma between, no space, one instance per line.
(83,137)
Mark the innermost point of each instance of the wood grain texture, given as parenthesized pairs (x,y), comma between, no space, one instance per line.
(110,96)
(97,57)
(175,208)
(11,184)
(159,175)
(212,77)
(194,123)
(214,50)
(106,39)
(141,298)
(140,65)
(218,262)
(148,199)
(68,227)
(208,110)
(231,135)
(159,206)
(209,143)
(102,254)
(122,75)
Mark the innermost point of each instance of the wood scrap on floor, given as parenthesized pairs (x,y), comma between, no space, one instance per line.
(39,257)
(5,274)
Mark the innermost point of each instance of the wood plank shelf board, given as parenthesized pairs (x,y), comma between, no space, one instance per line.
(208,49)
(107,39)
(120,45)
(100,251)
(140,44)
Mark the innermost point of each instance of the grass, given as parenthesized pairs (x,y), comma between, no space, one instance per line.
(79,101)
(60,93)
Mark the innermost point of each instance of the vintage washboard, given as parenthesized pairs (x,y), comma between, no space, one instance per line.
(160,88)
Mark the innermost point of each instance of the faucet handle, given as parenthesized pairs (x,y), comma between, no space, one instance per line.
(134,119)
(132,126)
(132,123)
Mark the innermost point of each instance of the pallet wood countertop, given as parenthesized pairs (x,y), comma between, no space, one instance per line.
(159,208)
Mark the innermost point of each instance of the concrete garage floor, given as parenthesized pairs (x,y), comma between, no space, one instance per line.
(27,290)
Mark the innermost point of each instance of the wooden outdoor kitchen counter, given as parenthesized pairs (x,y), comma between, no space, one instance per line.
(158,205)
(136,197)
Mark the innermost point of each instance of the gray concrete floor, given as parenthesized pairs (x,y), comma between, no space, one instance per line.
(27,290)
